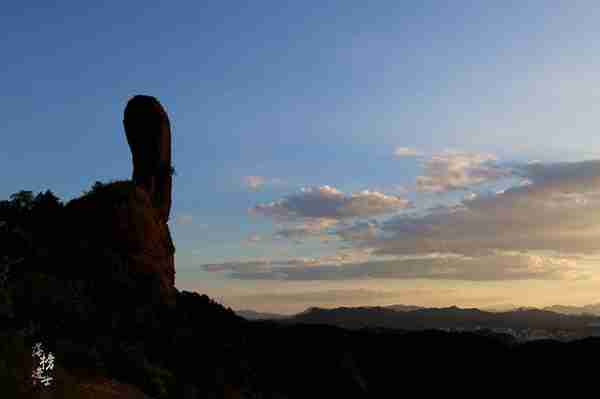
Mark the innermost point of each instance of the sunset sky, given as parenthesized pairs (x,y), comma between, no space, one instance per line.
(332,153)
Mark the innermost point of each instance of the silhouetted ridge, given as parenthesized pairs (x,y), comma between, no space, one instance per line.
(447,318)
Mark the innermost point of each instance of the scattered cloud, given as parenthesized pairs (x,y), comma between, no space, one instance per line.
(253,238)
(559,210)
(470,196)
(407,152)
(395,189)
(453,170)
(398,189)
(576,176)
(497,266)
(326,202)
(308,227)
(315,211)
(254,182)
(359,231)
(259,182)
(543,228)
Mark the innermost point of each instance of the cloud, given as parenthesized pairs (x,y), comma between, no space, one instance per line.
(575,176)
(359,231)
(452,170)
(547,228)
(355,265)
(326,202)
(308,227)
(392,189)
(558,210)
(407,152)
(258,182)
(254,182)
(252,238)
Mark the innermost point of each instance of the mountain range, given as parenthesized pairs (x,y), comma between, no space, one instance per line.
(582,320)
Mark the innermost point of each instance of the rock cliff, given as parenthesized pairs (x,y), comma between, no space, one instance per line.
(148,133)
(129,218)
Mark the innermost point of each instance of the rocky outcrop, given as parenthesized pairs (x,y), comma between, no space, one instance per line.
(120,219)
(128,219)
(148,132)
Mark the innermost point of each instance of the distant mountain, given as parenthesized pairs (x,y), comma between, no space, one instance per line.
(403,308)
(593,309)
(507,308)
(446,318)
(253,315)
(249,314)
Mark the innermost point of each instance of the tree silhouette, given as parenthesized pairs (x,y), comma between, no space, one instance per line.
(22,200)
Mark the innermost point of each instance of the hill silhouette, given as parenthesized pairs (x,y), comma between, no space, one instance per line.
(447,318)
(592,309)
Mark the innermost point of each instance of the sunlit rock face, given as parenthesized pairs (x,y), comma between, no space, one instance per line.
(148,133)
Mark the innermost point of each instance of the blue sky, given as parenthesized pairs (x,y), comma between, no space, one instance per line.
(268,98)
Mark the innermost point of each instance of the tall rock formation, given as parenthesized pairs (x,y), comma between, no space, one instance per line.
(128,219)
(148,132)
